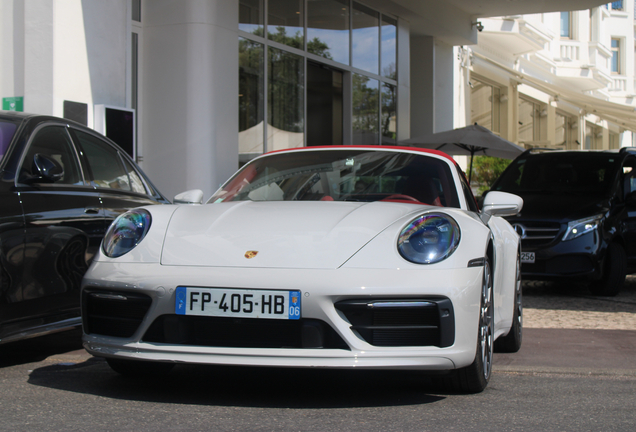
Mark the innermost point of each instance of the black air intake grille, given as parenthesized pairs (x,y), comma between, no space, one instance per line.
(402,322)
(111,313)
(243,332)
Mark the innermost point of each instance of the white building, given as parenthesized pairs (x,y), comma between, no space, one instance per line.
(214,82)
(560,79)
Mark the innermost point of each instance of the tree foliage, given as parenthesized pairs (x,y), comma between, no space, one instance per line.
(486,169)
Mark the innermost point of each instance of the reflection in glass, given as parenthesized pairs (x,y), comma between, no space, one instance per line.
(324,105)
(389,50)
(285,22)
(365,38)
(389,107)
(328,29)
(250,97)
(285,105)
(251,16)
(365,119)
(565,25)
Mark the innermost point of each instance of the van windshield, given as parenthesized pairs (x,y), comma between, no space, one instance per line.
(560,173)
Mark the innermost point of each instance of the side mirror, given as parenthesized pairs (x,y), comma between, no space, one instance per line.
(502,204)
(44,170)
(193,196)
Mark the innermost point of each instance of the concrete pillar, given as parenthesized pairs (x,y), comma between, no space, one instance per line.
(38,56)
(431,86)
(190,100)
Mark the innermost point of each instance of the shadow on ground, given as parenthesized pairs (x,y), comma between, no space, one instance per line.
(245,386)
(40,348)
(577,297)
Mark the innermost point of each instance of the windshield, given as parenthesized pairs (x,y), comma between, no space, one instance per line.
(7,129)
(560,173)
(343,175)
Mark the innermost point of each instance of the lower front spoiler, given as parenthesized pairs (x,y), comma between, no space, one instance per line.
(394,359)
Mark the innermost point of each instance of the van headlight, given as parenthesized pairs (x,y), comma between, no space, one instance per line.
(582,226)
(429,239)
(126,232)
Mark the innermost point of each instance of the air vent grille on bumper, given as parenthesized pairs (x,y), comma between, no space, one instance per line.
(243,332)
(402,322)
(117,314)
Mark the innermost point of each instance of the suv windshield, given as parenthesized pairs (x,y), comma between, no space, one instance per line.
(343,175)
(560,173)
(7,129)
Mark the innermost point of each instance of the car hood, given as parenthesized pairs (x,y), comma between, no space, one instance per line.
(276,234)
(559,207)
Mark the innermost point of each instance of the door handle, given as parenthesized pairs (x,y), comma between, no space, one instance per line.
(91,210)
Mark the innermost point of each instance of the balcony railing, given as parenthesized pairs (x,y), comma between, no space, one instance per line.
(570,51)
(619,84)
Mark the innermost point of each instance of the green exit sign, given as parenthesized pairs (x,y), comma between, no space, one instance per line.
(13,103)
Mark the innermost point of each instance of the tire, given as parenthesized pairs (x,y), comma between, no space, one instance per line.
(474,378)
(138,369)
(511,343)
(614,271)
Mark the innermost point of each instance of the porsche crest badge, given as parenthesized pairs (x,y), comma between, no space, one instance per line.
(250,254)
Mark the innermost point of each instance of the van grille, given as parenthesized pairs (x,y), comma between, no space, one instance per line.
(536,233)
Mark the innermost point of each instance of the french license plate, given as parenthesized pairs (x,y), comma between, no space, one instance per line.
(527,257)
(238,303)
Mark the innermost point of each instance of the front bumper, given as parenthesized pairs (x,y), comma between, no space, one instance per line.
(580,258)
(320,291)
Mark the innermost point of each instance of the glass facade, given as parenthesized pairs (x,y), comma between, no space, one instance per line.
(389,48)
(285,107)
(366,114)
(365,39)
(250,97)
(328,29)
(388,124)
(251,16)
(285,22)
(304,65)
(616,56)
(566,31)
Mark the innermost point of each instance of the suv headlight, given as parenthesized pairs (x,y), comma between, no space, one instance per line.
(429,239)
(126,232)
(582,226)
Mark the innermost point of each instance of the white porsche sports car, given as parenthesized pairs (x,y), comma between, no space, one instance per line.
(338,257)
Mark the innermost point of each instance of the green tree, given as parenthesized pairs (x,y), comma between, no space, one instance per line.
(486,169)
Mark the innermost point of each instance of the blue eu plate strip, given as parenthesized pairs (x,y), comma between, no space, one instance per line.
(180,301)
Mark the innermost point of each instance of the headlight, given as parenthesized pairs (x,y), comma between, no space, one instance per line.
(582,226)
(428,239)
(126,232)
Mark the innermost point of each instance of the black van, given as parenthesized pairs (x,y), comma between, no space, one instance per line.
(578,220)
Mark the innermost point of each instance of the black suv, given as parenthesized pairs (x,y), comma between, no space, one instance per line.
(578,220)
(61,185)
